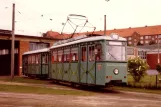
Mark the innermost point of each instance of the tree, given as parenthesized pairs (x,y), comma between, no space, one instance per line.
(158,68)
(151,42)
(137,68)
(139,43)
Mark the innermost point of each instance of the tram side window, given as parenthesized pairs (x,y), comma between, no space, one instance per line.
(29,61)
(25,60)
(37,59)
(33,59)
(54,56)
(44,58)
(47,60)
(91,53)
(98,52)
(74,54)
(84,56)
(67,55)
(60,56)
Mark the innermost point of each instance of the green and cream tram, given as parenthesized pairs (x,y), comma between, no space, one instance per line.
(97,60)
(36,63)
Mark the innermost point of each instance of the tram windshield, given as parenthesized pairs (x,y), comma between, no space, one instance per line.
(116,51)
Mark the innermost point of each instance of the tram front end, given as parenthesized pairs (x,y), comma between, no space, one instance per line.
(115,62)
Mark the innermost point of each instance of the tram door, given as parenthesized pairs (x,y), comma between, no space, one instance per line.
(87,65)
(91,65)
(83,65)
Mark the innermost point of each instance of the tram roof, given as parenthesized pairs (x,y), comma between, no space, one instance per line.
(36,51)
(87,39)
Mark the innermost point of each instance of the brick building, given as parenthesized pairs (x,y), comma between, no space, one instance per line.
(23,43)
(144,35)
(139,40)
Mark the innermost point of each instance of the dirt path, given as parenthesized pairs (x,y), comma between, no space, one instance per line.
(53,86)
(102,100)
(107,99)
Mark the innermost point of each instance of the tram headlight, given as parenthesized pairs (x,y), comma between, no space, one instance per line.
(116,71)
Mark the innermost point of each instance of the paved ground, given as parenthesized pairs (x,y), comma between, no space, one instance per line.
(107,99)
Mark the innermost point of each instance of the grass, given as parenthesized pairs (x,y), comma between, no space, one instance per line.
(145,81)
(23,80)
(146,85)
(42,90)
(138,90)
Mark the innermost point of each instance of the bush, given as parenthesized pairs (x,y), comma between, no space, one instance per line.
(137,68)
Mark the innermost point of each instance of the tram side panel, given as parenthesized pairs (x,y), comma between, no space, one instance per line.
(53,65)
(44,65)
(66,64)
(74,67)
(37,64)
(56,71)
(60,67)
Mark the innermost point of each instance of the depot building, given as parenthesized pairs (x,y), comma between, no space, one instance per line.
(23,43)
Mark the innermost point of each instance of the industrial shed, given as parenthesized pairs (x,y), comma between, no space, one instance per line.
(23,43)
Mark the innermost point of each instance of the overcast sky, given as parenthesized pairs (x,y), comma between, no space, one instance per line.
(120,14)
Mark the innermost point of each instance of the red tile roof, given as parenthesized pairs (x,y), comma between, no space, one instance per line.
(125,32)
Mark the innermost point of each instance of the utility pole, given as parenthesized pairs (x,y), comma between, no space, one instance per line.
(104,24)
(13,42)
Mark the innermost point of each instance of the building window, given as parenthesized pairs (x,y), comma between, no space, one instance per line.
(135,44)
(129,38)
(159,36)
(129,42)
(142,54)
(146,37)
(36,45)
(141,37)
(156,41)
(141,42)
(156,36)
(153,38)
(149,37)
(4,52)
(146,41)
(130,51)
